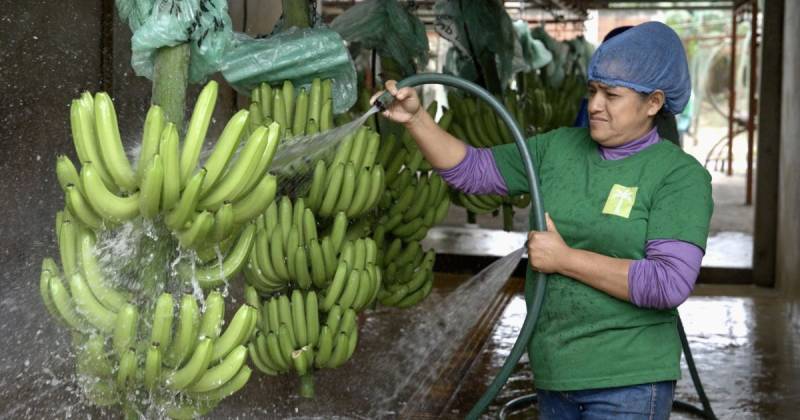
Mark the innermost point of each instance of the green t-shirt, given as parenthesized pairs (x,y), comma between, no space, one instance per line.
(585,338)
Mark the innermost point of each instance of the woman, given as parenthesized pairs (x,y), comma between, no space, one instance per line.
(627,218)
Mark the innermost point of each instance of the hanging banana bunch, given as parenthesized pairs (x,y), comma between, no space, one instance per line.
(134,237)
(478,125)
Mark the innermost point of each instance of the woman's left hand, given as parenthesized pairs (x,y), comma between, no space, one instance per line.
(547,251)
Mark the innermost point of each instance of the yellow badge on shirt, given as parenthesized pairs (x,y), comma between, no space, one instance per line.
(620,201)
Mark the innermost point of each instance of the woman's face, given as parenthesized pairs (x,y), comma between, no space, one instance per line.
(618,115)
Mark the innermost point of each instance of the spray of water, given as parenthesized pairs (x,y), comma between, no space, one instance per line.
(400,352)
(294,160)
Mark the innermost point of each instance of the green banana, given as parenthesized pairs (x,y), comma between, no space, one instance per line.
(229,388)
(196,234)
(186,333)
(316,192)
(238,332)
(161,331)
(328,256)
(336,179)
(151,136)
(108,296)
(234,181)
(342,154)
(300,114)
(111,149)
(301,268)
(351,289)
(193,369)
(218,375)
(125,325)
(285,341)
(107,204)
(78,206)
(285,318)
(88,306)
(277,257)
(338,231)
(291,250)
(377,185)
(84,138)
(260,171)
(216,274)
(334,318)
(223,150)
(177,218)
(340,351)
(275,352)
(288,100)
(315,100)
(298,318)
(359,197)
(152,366)
(66,172)
(326,117)
(223,223)
(364,290)
(126,371)
(317,260)
(196,130)
(44,291)
(359,147)
(256,201)
(325,347)
(150,193)
(211,321)
(312,318)
(336,287)
(279,112)
(266,94)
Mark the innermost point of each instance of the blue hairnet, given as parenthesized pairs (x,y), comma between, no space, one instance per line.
(645,58)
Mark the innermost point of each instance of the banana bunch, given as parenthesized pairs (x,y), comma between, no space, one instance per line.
(288,250)
(306,112)
(199,205)
(409,274)
(120,350)
(352,183)
(413,203)
(291,336)
(478,125)
(546,107)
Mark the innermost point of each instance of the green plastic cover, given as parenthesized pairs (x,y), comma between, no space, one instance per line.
(389,28)
(205,24)
(299,55)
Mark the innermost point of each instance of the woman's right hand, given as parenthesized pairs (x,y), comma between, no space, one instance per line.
(406,106)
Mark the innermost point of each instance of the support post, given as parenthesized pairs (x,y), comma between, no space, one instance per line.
(753,110)
(732,91)
(295,13)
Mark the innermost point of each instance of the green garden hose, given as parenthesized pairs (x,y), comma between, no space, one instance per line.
(535,305)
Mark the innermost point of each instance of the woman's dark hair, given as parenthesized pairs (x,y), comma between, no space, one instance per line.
(665,122)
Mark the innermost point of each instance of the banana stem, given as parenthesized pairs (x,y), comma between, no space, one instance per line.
(471,218)
(307,386)
(170,78)
(508,217)
(296,13)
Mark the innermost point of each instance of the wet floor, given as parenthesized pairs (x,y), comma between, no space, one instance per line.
(746,349)
(436,360)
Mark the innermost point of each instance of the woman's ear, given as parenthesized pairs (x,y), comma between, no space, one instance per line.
(655,101)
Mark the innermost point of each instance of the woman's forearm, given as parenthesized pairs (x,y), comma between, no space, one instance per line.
(601,272)
(441,150)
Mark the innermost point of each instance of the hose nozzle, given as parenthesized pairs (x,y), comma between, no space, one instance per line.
(383,101)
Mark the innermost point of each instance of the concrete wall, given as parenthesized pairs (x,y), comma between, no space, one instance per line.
(788,238)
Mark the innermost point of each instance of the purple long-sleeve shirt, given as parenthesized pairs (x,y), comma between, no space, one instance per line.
(662,280)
